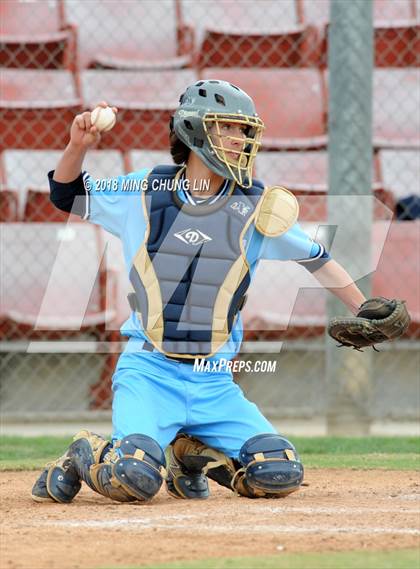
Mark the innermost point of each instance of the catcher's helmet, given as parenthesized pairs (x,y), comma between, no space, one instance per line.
(196,123)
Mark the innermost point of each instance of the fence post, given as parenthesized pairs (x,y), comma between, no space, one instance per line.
(350,64)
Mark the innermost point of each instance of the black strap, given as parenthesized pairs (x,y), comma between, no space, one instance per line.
(242,303)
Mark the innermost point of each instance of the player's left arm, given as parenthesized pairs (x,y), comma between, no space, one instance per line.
(295,244)
(337,280)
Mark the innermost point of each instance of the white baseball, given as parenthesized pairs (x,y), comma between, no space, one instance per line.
(103,118)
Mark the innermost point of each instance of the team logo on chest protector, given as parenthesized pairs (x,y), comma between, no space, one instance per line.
(241,208)
(192,236)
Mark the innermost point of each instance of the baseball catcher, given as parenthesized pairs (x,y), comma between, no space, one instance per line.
(192,238)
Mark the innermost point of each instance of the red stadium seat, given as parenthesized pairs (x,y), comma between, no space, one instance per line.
(38,207)
(34,35)
(396,100)
(399,171)
(230,47)
(146,101)
(36,108)
(45,291)
(129,35)
(396,30)
(396,118)
(28,169)
(306,168)
(56,287)
(234,34)
(397,44)
(291,102)
(9,206)
(306,175)
(300,311)
(139,159)
(313,203)
(401,250)
(293,168)
(318,12)
(25,169)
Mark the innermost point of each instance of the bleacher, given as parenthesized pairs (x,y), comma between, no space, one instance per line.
(140,56)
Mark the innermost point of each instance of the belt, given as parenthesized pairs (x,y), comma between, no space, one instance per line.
(148,347)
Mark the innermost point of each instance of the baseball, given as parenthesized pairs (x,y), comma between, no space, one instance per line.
(103,118)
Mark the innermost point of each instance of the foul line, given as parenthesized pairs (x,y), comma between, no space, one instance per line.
(186,522)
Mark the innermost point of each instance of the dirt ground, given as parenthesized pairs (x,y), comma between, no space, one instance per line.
(336,510)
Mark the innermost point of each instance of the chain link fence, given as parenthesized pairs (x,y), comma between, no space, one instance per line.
(59,57)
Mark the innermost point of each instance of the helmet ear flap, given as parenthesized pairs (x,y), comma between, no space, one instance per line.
(171,124)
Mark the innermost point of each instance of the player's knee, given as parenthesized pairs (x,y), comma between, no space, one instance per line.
(132,469)
(140,470)
(271,467)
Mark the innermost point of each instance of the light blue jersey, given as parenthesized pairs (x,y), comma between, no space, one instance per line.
(118,209)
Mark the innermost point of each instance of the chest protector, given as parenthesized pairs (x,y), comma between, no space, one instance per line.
(191,274)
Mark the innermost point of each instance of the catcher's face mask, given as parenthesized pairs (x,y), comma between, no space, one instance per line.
(235,140)
(218,121)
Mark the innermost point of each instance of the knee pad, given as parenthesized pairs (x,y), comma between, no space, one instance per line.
(133,469)
(141,468)
(270,467)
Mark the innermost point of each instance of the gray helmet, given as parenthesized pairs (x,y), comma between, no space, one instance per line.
(203,107)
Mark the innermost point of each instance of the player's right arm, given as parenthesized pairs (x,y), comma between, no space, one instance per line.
(67,187)
(75,191)
(83,135)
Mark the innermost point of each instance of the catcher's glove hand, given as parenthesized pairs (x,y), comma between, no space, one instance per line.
(378,320)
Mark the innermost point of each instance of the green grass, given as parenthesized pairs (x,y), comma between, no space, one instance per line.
(30,453)
(356,445)
(396,453)
(401,461)
(400,559)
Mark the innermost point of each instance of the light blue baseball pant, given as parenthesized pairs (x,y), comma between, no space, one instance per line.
(159,397)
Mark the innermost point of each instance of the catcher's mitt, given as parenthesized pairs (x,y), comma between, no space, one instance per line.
(378,320)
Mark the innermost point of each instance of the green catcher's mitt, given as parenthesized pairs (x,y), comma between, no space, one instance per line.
(378,320)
